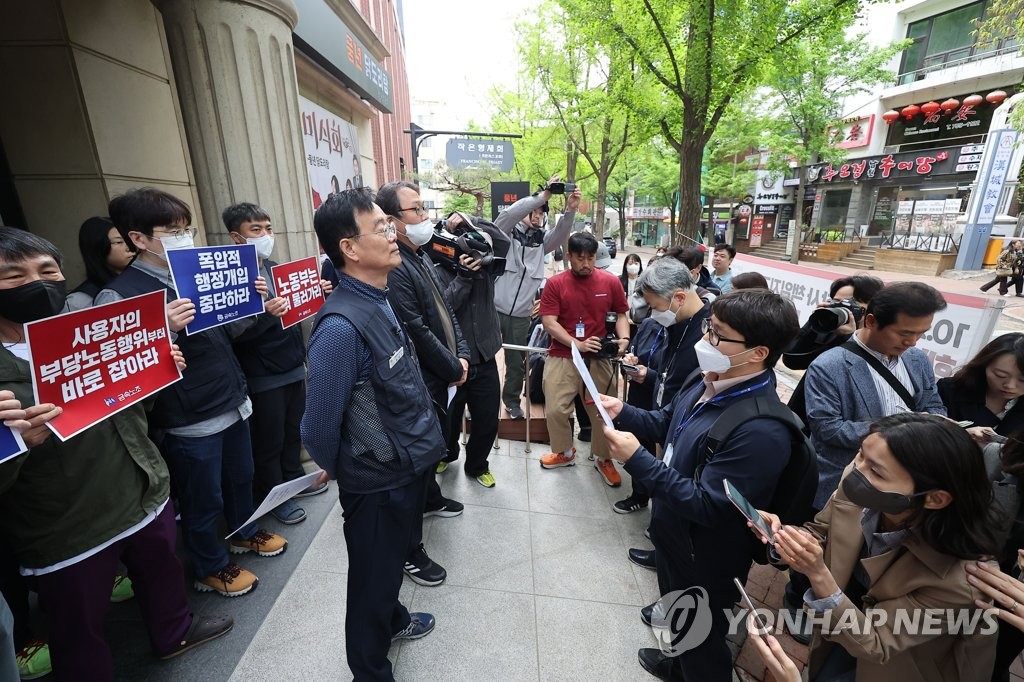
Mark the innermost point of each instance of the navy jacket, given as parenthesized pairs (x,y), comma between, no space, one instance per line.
(697,509)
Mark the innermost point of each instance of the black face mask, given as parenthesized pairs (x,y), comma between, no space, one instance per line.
(33,301)
(860,491)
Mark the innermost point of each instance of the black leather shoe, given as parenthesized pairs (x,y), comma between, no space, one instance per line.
(660,665)
(643,557)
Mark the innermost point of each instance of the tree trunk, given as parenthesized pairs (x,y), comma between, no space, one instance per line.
(711,219)
(689,190)
(479,204)
(602,189)
(798,212)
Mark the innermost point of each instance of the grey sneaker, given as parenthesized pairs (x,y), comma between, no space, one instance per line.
(515,412)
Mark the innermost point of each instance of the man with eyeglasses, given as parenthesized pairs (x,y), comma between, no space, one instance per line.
(878,372)
(419,299)
(702,542)
(274,361)
(203,417)
(370,424)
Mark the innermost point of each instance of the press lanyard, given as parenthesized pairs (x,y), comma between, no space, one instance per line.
(668,365)
(716,400)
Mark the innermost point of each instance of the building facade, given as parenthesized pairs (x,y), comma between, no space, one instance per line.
(913,148)
(215,101)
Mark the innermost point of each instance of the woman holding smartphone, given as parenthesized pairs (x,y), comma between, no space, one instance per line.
(987,390)
(912,512)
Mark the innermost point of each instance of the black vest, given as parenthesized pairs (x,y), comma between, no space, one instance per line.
(213,382)
(274,350)
(390,432)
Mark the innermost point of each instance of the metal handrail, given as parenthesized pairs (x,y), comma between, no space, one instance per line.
(526,380)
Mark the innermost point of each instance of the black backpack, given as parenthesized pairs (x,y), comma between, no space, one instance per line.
(798,483)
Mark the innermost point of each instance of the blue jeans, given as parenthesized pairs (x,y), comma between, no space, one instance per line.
(213,476)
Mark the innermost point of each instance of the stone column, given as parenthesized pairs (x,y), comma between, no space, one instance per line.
(234,64)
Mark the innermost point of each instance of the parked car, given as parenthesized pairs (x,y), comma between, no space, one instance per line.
(612,247)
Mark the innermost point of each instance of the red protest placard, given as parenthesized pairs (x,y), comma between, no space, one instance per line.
(299,282)
(98,361)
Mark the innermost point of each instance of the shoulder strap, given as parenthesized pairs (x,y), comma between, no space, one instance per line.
(883,372)
(743,411)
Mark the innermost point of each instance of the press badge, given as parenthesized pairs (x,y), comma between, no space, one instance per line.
(395,357)
(667,459)
(581,330)
(661,388)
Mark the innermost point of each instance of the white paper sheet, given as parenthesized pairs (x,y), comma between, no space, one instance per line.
(588,381)
(279,494)
(451,394)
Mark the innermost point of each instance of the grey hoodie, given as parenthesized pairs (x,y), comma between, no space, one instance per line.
(524,266)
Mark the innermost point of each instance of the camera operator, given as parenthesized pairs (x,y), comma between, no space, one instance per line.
(585,307)
(524,222)
(831,325)
(469,285)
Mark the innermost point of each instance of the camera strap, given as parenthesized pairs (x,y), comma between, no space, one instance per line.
(882,371)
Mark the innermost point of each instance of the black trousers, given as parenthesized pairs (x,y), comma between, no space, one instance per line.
(377,531)
(14,588)
(710,661)
(482,392)
(276,442)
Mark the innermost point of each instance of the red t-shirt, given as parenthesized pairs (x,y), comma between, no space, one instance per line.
(581,299)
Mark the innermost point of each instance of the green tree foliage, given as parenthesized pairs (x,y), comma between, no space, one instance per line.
(703,53)
(811,79)
(1003,20)
(589,91)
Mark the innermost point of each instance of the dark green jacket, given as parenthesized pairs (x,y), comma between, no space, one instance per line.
(61,499)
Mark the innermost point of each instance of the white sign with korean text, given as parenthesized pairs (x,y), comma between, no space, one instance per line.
(957,332)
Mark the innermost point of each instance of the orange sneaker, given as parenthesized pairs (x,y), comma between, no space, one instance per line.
(606,468)
(558,459)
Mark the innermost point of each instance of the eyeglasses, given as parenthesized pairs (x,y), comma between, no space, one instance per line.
(177,231)
(420,210)
(714,338)
(389,232)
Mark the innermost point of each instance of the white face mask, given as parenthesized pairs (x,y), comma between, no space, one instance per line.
(633,268)
(666,318)
(420,233)
(182,242)
(711,359)
(264,245)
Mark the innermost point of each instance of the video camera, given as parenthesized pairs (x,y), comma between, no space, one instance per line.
(609,343)
(827,319)
(559,187)
(448,245)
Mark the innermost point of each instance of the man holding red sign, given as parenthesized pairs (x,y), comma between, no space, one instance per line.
(203,417)
(273,356)
(72,510)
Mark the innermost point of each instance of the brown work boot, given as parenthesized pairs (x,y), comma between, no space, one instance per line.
(262,542)
(230,581)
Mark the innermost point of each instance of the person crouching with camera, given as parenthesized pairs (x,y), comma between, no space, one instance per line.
(586,307)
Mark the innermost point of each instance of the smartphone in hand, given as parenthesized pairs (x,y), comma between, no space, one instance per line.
(762,625)
(630,369)
(748,510)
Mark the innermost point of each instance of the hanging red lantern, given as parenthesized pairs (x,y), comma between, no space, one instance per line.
(910,111)
(950,104)
(995,97)
(973,100)
(890,116)
(930,108)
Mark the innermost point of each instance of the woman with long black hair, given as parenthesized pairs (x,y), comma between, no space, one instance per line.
(892,546)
